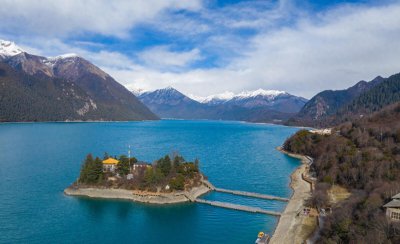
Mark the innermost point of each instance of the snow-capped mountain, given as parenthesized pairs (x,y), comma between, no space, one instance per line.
(65,87)
(278,100)
(227,96)
(8,49)
(170,103)
(258,105)
(269,94)
(51,61)
(168,95)
(214,99)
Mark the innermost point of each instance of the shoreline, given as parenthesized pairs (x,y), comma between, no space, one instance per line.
(289,227)
(138,196)
(146,120)
(76,121)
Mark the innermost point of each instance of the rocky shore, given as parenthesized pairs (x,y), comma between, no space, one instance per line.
(291,227)
(138,196)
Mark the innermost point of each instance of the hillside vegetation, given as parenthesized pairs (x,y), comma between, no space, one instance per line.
(376,98)
(165,174)
(363,156)
(323,107)
(35,88)
(331,108)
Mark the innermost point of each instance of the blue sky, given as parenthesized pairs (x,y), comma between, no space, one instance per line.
(204,47)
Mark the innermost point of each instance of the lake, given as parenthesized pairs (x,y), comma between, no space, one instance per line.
(39,160)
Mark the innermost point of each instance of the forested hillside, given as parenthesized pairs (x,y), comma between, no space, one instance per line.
(318,111)
(344,107)
(25,97)
(362,155)
(66,87)
(386,93)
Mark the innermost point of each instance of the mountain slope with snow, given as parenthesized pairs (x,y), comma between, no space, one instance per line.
(217,98)
(65,87)
(257,106)
(276,100)
(8,49)
(170,103)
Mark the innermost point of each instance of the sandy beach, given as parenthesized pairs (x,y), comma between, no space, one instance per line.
(292,228)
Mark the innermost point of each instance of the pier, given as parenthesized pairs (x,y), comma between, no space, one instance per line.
(238,207)
(251,194)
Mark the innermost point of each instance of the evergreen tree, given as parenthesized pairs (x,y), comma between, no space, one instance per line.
(92,170)
(165,164)
(177,183)
(106,156)
(123,167)
(98,169)
(85,168)
(177,161)
(152,176)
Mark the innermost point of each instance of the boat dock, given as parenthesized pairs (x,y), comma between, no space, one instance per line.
(251,194)
(238,207)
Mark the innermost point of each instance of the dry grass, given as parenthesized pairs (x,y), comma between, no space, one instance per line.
(337,194)
(308,225)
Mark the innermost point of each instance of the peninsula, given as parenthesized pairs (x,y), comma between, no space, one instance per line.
(165,181)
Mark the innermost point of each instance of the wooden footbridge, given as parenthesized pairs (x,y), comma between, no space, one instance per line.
(252,194)
(237,206)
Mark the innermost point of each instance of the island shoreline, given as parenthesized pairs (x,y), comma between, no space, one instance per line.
(138,196)
(288,227)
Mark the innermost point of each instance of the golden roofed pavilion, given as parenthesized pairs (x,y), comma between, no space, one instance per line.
(110,161)
(110,164)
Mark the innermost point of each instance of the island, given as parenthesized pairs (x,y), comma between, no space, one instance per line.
(170,179)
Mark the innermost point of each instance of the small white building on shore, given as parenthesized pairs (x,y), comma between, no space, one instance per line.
(393,208)
(139,166)
(326,131)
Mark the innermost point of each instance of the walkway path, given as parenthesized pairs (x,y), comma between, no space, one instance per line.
(252,194)
(238,207)
(290,227)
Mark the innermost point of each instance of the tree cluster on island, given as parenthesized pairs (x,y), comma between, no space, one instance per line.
(363,156)
(163,175)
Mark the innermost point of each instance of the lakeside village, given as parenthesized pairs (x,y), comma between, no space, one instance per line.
(165,175)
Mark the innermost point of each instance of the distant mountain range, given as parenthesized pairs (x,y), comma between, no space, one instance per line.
(329,108)
(70,88)
(325,109)
(66,87)
(256,106)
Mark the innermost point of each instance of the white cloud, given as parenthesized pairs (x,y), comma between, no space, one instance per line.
(161,57)
(62,18)
(330,51)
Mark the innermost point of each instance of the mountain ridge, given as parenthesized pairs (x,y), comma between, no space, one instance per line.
(105,98)
(328,102)
(256,106)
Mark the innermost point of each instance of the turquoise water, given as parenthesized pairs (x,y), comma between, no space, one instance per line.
(38,160)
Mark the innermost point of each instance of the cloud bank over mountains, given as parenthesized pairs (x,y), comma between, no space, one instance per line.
(203,47)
